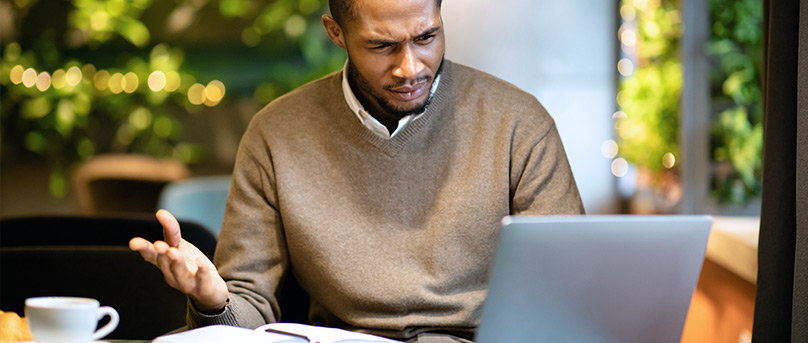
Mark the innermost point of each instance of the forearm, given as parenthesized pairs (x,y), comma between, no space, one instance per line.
(251,253)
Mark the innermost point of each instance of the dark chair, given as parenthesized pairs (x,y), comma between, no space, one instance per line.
(89,257)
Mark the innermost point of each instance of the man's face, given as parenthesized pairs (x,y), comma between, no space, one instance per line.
(395,49)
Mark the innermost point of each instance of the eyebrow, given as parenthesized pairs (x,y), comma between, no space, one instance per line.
(384,41)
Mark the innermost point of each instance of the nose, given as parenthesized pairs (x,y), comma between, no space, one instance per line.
(409,66)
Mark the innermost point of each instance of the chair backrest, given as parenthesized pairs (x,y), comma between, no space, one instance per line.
(198,199)
(123,183)
(89,257)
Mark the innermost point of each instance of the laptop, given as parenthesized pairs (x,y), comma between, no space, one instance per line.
(599,278)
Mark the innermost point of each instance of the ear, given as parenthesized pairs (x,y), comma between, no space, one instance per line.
(334,31)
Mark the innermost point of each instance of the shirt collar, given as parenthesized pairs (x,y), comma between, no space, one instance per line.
(368,120)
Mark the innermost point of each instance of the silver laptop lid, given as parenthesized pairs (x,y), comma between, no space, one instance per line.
(610,278)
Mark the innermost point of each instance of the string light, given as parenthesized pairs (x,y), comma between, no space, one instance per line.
(214,92)
(196,94)
(101,80)
(173,81)
(16,74)
(117,83)
(88,71)
(157,81)
(59,79)
(29,77)
(73,76)
(43,81)
(130,82)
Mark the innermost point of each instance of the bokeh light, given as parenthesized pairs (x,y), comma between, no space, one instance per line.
(101,80)
(669,160)
(196,94)
(116,83)
(628,38)
(619,167)
(157,81)
(73,76)
(140,118)
(294,26)
(59,79)
(214,92)
(16,74)
(130,82)
(43,81)
(173,81)
(88,72)
(609,148)
(628,13)
(625,67)
(29,77)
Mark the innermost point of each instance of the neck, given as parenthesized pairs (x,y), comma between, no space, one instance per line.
(389,120)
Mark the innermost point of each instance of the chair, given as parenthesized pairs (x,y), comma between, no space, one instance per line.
(198,199)
(89,257)
(123,183)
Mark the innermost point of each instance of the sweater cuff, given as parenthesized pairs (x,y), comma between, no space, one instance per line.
(196,319)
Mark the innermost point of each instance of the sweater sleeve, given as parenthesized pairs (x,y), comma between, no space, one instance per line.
(251,253)
(541,178)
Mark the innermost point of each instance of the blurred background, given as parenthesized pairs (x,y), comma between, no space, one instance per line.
(129,105)
(180,80)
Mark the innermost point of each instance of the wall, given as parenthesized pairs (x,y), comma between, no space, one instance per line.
(563,52)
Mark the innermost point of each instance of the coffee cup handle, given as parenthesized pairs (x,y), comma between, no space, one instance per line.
(113,322)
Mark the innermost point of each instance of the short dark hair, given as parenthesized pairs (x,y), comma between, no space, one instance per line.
(342,10)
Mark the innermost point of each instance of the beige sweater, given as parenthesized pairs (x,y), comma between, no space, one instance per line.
(392,237)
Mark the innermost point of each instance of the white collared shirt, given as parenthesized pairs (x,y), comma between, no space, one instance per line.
(368,120)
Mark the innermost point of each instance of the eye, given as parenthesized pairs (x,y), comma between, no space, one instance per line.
(425,38)
(382,46)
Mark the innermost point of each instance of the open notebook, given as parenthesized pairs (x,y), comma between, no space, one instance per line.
(270,333)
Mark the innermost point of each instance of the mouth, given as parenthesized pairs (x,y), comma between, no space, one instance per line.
(408,93)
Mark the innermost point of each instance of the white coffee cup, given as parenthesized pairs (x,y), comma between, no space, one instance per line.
(68,319)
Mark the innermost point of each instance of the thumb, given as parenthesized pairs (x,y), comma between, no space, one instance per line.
(171,228)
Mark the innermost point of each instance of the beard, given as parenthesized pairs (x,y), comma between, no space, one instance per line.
(396,111)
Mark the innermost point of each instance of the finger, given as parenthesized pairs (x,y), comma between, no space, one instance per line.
(164,262)
(161,247)
(180,271)
(145,248)
(171,228)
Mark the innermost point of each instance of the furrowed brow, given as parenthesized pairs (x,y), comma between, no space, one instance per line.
(392,42)
(381,42)
(430,31)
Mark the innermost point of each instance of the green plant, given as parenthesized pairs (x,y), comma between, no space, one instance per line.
(649,91)
(737,130)
(84,77)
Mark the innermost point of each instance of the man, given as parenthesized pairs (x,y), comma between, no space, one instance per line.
(381,186)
